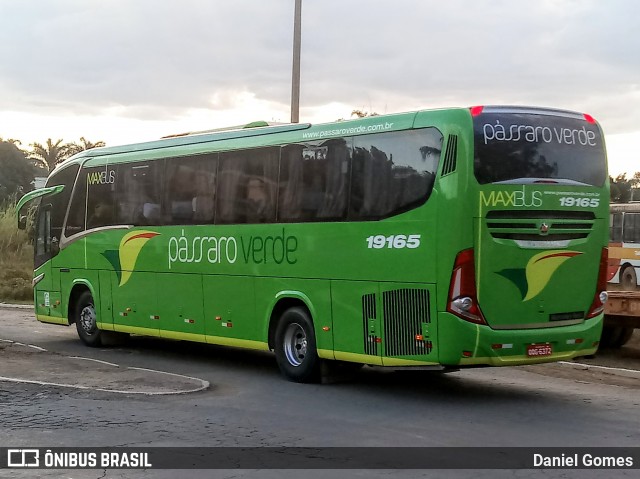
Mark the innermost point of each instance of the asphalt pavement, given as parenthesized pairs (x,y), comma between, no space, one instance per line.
(29,363)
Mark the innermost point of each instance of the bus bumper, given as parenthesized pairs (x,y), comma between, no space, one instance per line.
(462,343)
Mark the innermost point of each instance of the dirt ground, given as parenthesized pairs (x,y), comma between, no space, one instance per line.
(624,364)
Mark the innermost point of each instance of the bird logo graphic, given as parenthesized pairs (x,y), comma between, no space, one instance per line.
(124,260)
(532,279)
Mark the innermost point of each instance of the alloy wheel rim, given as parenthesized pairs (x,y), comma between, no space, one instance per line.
(88,319)
(295,344)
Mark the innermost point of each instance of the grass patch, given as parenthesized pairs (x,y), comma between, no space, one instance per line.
(16,258)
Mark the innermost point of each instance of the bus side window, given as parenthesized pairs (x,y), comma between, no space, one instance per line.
(393,172)
(314,181)
(191,189)
(101,196)
(139,192)
(290,195)
(615,227)
(631,228)
(43,231)
(247,186)
(76,219)
(60,202)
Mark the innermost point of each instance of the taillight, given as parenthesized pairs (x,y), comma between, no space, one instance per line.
(476,110)
(589,119)
(601,295)
(463,298)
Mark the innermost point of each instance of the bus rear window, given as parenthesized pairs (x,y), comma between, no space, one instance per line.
(515,147)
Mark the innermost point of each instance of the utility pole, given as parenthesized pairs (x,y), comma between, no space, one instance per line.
(295,76)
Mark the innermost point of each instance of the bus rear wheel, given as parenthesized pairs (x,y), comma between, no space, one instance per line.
(614,337)
(86,321)
(628,279)
(295,346)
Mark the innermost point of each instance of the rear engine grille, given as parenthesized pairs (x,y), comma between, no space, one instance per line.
(405,311)
(533,225)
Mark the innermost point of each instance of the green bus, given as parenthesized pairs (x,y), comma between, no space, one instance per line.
(432,239)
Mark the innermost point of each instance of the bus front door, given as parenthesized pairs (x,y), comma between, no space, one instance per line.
(47,287)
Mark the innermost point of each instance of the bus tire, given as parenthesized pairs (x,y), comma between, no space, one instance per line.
(624,337)
(628,279)
(609,336)
(614,337)
(295,346)
(86,321)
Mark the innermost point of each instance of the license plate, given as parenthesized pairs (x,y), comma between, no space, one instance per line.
(537,350)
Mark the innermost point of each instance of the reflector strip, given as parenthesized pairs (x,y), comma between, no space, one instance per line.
(502,346)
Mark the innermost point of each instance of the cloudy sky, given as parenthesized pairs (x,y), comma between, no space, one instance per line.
(131,70)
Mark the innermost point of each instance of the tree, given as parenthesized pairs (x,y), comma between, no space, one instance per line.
(359,114)
(84,145)
(363,114)
(11,140)
(623,189)
(16,174)
(50,155)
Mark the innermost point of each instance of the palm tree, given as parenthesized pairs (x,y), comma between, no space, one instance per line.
(12,141)
(50,155)
(84,145)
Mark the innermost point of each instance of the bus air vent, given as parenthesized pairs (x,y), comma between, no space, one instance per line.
(539,225)
(450,155)
(405,311)
(369,316)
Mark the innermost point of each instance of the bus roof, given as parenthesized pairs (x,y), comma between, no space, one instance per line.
(192,139)
(398,120)
(318,131)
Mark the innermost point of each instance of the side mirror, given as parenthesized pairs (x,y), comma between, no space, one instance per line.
(22,222)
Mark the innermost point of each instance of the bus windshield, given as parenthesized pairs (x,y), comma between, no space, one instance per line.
(532,146)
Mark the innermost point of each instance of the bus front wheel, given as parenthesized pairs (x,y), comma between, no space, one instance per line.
(86,321)
(295,346)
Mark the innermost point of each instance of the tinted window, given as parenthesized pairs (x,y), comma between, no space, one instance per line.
(101,206)
(523,147)
(191,190)
(393,171)
(43,234)
(93,202)
(615,227)
(631,228)
(60,201)
(247,186)
(78,207)
(314,181)
(139,193)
